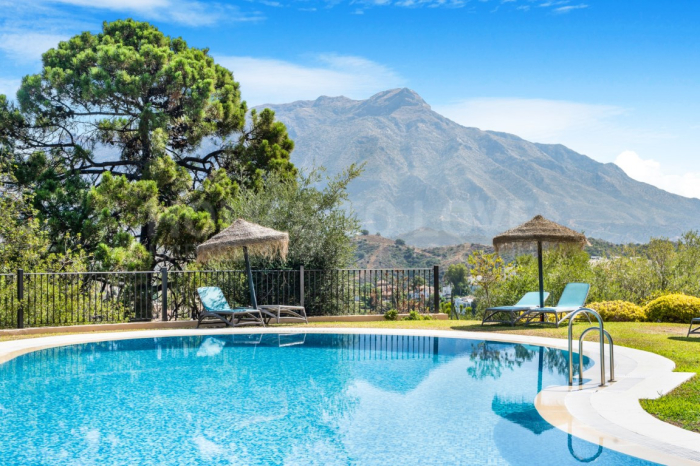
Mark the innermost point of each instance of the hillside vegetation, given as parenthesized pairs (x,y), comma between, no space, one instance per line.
(377,252)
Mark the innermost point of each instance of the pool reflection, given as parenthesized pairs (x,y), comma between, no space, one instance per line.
(290,398)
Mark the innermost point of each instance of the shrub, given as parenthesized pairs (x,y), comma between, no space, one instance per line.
(678,308)
(415,315)
(619,311)
(391,314)
(446,308)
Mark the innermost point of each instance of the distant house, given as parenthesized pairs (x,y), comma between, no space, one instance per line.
(422,292)
(446,291)
(465,301)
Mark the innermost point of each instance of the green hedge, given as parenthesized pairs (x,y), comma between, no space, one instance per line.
(678,308)
(619,311)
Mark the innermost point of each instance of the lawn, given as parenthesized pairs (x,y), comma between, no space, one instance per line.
(680,407)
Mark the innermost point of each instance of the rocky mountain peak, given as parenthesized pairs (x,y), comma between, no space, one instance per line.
(429,180)
(387,102)
(326,101)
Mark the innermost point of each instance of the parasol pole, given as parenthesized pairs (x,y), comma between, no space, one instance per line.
(539,372)
(539,266)
(251,285)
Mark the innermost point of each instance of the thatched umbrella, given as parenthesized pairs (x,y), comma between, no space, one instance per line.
(539,230)
(247,237)
(521,411)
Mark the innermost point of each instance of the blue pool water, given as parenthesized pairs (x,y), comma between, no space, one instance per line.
(286,400)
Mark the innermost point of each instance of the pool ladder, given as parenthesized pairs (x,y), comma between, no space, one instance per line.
(603,334)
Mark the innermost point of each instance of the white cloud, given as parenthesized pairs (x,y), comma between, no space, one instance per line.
(534,119)
(9,87)
(28,46)
(187,12)
(566,9)
(210,347)
(650,171)
(267,81)
(116,4)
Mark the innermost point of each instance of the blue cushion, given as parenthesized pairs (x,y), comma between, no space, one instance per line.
(531,299)
(574,295)
(213,299)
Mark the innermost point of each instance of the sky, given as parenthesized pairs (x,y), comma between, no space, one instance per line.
(617,80)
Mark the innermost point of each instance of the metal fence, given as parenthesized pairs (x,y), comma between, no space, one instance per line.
(50,299)
(8,301)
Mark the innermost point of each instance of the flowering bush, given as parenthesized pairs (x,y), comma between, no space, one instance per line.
(619,311)
(673,308)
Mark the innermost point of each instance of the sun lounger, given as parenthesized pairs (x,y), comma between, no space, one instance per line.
(696,330)
(278,311)
(510,314)
(216,307)
(572,299)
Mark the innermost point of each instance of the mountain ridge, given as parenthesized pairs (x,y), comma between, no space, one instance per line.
(426,171)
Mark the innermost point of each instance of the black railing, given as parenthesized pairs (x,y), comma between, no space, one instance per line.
(51,299)
(8,301)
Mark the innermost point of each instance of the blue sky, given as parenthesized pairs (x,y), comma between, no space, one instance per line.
(616,80)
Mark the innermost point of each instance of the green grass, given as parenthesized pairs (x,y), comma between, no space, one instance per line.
(680,407)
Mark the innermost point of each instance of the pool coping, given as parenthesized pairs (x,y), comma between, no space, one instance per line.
(609,416)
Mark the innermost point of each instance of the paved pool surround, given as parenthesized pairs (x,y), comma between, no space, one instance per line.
(610,416)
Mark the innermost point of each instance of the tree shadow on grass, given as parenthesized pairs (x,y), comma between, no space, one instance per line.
(500,328)
(462,325)
(695,339)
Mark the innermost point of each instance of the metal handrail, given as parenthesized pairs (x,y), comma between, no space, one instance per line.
(580,459)
(572,316)
(580,354)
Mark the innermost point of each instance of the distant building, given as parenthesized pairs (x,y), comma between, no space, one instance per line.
(422,292)
(446,291)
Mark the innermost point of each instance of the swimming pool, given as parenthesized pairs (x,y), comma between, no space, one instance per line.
(286,399)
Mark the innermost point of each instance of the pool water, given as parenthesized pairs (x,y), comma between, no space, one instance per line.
(286,400)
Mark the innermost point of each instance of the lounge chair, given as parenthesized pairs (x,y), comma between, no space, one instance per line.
(510,314)
(278,311)
(696,330)
(216,307)
(572,299)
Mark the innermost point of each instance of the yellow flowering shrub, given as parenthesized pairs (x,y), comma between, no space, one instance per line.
(678,308)
(619,311)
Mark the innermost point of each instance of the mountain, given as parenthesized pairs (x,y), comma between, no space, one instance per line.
(434,181)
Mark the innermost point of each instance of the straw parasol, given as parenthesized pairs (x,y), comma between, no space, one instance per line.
(247,237)
(539,230)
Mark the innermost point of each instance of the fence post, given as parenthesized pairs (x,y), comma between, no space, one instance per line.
(20,297)
(436,287)
(301,285)
(164,294)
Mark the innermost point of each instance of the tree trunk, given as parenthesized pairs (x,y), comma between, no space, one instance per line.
(143,283)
